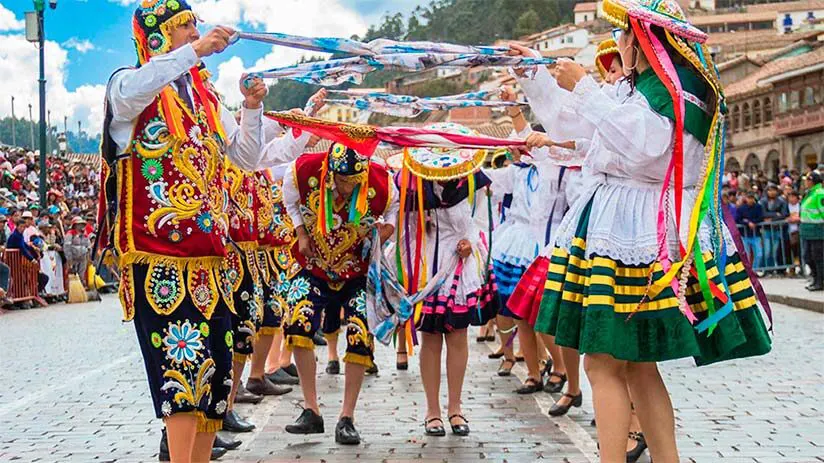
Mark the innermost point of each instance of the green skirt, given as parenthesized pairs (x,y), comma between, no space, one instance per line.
(592,304)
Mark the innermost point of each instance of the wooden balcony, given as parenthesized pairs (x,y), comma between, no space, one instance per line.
(800,121)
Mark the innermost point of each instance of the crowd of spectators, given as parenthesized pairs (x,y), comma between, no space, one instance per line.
(767,212)
(57,236)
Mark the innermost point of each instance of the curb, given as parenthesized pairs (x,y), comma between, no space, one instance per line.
(797,302)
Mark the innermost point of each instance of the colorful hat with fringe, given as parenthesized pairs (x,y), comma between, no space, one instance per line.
(664,13)
(152,24)
(353,167)
(606,52)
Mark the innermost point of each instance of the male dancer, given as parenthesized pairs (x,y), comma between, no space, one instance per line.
(164,140)
(334,200)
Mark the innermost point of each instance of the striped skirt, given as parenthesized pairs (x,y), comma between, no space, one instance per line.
(593,304)
(441,313)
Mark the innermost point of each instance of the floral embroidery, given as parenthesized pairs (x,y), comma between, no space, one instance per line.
(157,340)
(173,5)
(156,41)
(204,222)
(298,290)
(228,339)
(166,408)
(175,236)
(165,291)
(150,20)
(204,329)
(183,342)
(152,170)
(220,407)
(359,303)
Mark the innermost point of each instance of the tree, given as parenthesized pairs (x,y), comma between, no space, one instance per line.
(527,24)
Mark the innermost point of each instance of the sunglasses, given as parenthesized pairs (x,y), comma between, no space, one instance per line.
(616,33)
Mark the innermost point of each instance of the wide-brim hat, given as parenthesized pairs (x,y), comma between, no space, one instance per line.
(606,52)
(443,163)
(663,13)
(78,220)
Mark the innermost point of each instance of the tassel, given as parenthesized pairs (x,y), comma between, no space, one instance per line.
(399,231)
(471,185)
(211,112)
(172,114)
(324,193)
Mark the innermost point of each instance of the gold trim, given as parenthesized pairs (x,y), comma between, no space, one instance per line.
(615,14)
(358,359)
(296,341)
(445,173)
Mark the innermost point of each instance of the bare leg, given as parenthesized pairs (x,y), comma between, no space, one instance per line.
(285,356)
(430,358)
(352,386)
(262,345)
(457,355)
(181,430)
(558,365)
(529,347)
(305,361)
(612,405)
(202,452)
(273,356)
(237,372)
(332,346)
(402,355)
(572,362)
(543,355)
(506,327)
(634,424)
(654,410)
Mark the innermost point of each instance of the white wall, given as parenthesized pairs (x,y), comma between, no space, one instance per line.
(799,19)
(576,39)
(581,17)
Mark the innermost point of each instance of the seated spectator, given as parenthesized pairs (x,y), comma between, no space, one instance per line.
(17,241)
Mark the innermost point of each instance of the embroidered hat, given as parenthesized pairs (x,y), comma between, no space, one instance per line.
(152,24)
(664,13)
(604,54)
(346,161)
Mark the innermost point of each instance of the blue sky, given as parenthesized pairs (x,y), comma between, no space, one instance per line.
(90,38)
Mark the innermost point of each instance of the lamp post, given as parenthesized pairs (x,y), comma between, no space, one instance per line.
(48,130)
(13,134)
(31,128)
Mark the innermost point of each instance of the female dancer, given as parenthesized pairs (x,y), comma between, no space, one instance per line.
(609,290)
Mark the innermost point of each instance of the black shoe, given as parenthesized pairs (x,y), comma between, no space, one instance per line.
(308,422)
(506,367)
(234,423)
(815,287)
(319,340)
(436,431)
(243,396)
(345,432)
(640,445)
(555,388)
(496,355)
(530,386)
(373,370)
(291,369)
(281,376)
(593,424)
(402,366)
(459,429)
(262,386)
(164,455)
(228,444)
(547,368)
(561,410)
(333,367)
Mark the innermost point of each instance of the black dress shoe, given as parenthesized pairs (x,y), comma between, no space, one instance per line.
(291,369)
(402,366)
(345,432)
(553,387)
(459,429)
(373,370)
(496,355)
(308,422)
(227,443)
(333,367)
(234,423)
(319,340)
(262,386)
(506,367)
(640,446)
(281,376)
(561,410)
(815,287)
(437,430)
(530,386)
(164,455)
(243,396)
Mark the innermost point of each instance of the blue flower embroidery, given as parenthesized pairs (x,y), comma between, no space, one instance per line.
(182,342)
(359,303)
(204,222)
(298,290)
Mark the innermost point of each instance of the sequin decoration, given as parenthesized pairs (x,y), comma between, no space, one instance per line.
(152,170)
(126,292)
(203,290)
(164,287)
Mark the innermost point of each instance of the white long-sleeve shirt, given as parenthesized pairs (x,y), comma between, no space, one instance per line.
(130,91)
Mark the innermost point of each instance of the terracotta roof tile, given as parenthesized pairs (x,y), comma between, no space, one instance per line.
(782,7)
(713,19)
(585,7)
(568,52)
(749,84)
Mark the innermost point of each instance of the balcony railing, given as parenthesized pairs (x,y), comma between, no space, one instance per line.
(799,121)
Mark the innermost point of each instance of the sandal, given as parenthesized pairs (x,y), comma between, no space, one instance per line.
(547,369)
(496,355)
(437,431)
(640,446)
(530,386)
(402,366)
(558,409)
(459,429)
(506,371)
(553,387)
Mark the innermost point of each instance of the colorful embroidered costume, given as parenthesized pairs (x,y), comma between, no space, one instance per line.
(164,140)
(618,282)
(338,228)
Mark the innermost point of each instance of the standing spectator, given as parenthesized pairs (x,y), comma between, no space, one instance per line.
(749,215)
(734,181)
(775,210)
(728,201)
(76,246)
(794,218)
(812,229)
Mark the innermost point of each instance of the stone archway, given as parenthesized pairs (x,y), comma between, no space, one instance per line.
(752,165)
(806,157)
(732,165)
(772,165)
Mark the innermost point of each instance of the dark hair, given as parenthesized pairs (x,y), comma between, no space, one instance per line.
(794,193)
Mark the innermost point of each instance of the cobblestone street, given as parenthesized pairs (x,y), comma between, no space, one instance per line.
(73,389)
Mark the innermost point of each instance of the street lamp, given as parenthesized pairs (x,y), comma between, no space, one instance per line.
(13,134)
(31,128)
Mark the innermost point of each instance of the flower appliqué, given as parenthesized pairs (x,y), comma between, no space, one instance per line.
(182,342)
(298,290)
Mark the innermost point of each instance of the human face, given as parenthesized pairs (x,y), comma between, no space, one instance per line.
(626,42)
(184,34)
(615,71)
(344,186)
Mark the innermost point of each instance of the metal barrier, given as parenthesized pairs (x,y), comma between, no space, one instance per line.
(22,276)
(771,246)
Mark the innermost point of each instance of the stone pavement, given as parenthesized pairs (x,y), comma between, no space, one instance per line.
(72,389)
(790,291)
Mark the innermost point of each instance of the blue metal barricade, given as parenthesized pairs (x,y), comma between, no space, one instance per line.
(773,246)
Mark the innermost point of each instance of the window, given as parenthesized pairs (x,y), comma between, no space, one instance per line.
(783,102)
(768,110)
(736,119)
(795,99)
(585,18)
(747,117)
(756,113)
(809,97)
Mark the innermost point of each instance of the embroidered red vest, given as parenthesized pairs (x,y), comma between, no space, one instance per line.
(172,212)
(242,205)
(340,250)
(274,226)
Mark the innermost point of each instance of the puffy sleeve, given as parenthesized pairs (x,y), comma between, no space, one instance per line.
(502,179)
(291,196)
(551,106)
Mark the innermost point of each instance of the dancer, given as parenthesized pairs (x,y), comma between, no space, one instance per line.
(334,200)
(164,140)
(608,290)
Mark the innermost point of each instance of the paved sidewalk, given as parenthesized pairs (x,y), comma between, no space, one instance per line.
(73,390)
(791,291)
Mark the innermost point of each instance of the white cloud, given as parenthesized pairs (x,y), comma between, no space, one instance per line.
(303,17)
(8,22)
(81,45)
(19,64)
